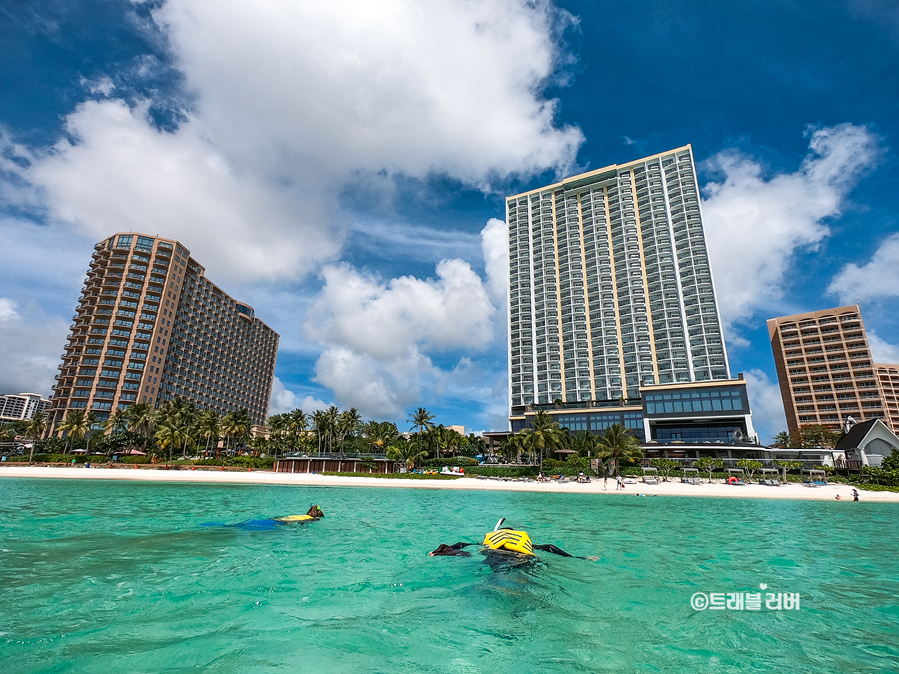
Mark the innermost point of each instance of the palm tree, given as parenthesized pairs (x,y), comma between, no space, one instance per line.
(543,435)
(617,444)
(320,421)
(140,419)
(585,443)
(117,421)
(90,420)
(783,440)
(348,424)
(422,422)
(296,422)
(277,427)
(75,424)
(331,415)
(35,430)
(170,431)
(259,444)
(409,452)
(209,427)
(236,425)
(380,435)
(512,446)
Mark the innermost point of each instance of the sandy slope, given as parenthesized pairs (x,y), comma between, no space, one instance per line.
(826,493)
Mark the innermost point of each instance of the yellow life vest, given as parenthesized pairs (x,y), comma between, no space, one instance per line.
(506,539)
(295,518)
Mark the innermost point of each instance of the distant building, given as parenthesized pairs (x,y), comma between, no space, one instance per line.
(612,310)
(826,371)
(22,406)
(150,327)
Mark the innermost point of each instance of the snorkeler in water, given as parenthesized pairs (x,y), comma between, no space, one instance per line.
(504,548)
(311,515)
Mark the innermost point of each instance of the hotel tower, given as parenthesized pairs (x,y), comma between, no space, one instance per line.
(612,307)
(150,327)
(826,371)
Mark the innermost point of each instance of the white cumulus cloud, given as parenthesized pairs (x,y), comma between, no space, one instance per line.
(284,400)
(882,350)
(495,247)
(293,102)
(755,223)
(879,278)
(380,335)
(7,309)
(30,348)
(767,405)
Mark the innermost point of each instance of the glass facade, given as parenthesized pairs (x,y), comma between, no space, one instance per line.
(591,422)
(704,433)
(691,401)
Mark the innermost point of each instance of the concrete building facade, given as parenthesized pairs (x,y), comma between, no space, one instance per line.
(150,327)
(826,371)
(22,406)
(611,296)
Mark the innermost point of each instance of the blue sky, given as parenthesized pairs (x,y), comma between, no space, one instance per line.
(342,167)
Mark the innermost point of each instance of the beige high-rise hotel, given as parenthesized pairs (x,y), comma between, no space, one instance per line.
(826,371)
(150,327)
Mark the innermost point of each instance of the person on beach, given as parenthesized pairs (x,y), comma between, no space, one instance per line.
(855,494)
(838,497)
(605,483)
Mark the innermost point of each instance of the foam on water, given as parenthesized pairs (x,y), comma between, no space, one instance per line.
(123,577)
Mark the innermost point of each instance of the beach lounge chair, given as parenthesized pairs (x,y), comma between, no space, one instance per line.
(629,480)
(650,480)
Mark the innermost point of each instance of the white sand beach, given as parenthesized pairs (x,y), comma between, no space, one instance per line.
(790,491)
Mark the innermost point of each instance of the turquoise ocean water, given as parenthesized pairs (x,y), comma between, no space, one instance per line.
(123,577)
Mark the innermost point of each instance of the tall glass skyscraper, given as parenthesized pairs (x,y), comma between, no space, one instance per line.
(150,327)
(610,288)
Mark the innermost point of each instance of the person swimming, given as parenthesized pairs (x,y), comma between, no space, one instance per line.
(269,523)
(504,548)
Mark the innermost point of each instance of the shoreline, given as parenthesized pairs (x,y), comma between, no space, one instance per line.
(789,491)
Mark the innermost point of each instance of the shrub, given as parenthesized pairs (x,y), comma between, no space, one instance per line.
(463,461)
(497,471)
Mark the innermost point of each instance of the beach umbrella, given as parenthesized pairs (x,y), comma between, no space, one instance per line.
(566,451)
(135,452)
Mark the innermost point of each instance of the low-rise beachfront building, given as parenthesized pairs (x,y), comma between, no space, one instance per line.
(339,464)
(150,327)
(710,411)
(22,406)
